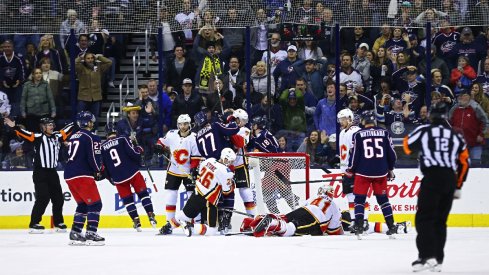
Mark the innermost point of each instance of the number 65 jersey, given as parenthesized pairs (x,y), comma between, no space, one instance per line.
(373,153)
(214,179)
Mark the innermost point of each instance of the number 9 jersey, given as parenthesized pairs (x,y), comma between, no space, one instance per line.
(214,179)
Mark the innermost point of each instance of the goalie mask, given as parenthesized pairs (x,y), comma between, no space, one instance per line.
(326,192)
(183,123)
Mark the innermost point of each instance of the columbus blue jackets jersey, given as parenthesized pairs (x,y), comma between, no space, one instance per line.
(84,155)
(265,142)
(121,159)
(373,153)
(214,137)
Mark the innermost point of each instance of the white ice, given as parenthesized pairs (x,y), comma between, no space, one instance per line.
(130,252)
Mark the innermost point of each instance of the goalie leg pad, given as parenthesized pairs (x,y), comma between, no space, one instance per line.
(248,199)
(289,230)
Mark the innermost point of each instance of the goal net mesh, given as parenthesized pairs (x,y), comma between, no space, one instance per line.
(303,16)
(275,180)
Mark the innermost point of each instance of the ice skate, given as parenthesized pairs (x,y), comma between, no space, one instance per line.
(77,239)
(137,224)
(403,227)
(187,228)
(426,264)
(152,219)
(94,239)
(36,229)
(166,229)
(358,229)
(60,228)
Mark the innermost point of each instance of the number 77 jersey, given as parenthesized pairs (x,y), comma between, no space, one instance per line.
(373,153)
(214,179)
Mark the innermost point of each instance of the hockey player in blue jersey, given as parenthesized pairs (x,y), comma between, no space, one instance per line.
(212,137)
(372,162)
(263,141)
(83,166)
(122,160)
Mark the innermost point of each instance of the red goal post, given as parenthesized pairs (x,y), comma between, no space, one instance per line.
(275,178)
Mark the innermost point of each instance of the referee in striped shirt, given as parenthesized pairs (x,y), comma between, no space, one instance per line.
(444,162)
(46,181)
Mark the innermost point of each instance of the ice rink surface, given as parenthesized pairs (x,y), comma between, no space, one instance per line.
(130,252)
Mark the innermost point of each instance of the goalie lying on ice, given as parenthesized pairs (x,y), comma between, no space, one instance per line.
(317,217)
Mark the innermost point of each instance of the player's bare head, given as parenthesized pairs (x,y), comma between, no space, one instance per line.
(241,117)
(227,156)
(183,124)
(345,118)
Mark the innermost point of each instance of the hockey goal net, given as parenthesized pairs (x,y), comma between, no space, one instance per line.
(280,180)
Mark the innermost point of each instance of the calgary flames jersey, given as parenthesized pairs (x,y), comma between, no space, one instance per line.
(245,133)
(325,212)
(214,179)
(182,150)
(346,143)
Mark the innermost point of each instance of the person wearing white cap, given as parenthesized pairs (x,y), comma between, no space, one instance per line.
(70,23)
(360,63)
(285,70)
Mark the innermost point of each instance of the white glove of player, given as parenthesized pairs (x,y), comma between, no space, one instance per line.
(458,194)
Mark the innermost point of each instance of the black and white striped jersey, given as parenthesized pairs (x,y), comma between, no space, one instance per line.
(46,147)
(439,146)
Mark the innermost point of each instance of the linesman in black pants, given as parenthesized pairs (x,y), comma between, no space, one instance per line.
(46,180)
(444,162)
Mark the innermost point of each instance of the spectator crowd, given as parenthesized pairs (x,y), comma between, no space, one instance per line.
(381,68)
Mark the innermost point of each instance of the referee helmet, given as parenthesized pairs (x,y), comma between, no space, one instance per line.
(439,111)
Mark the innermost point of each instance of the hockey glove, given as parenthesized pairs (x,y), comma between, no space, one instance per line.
(98,176)
(194,172)
(458,194)
(349,174)
(159,150)
(391,176)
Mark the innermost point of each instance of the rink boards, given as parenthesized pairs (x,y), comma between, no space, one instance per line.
(17,199)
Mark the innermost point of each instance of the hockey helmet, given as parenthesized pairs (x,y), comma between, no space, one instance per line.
(242,115)
(110,129)
(326,192)
(229,155)
(439,111)
(83,118)
(259,121)
(200,118)
(368,117)
(184,118)
(345,113)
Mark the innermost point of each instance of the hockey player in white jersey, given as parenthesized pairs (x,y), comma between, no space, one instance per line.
(317,217)
(215,179)
(241,176)
(345,119)
(184,160)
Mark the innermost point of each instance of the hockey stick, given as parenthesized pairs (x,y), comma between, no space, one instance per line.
(215,82)
(236,211)
(247,233)
(285,180)
(179,168)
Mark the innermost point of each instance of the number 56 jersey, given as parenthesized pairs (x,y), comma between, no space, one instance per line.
(214,179)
